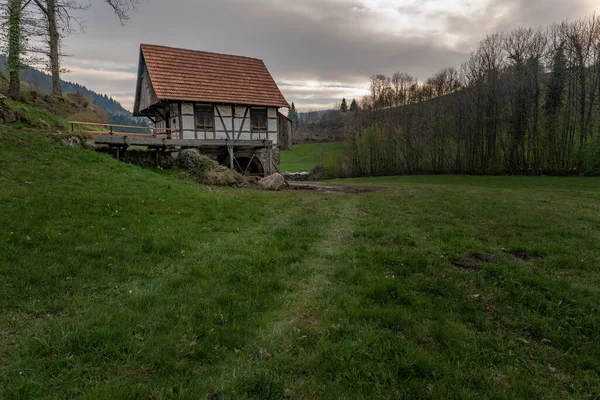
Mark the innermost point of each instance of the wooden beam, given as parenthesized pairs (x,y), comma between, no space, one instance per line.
(180,120)
(150,140)
(243,122)
(117,126)
(223,123)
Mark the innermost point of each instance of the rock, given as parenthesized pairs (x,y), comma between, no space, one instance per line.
(272,182)
(9,117)
(71,141)
(89,143)
(296,176)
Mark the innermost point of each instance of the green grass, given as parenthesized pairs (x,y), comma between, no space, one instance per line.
(304,157)
(36,116)
(124,283)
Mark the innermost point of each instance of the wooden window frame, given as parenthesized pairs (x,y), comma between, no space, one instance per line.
(255,124)
(205,110)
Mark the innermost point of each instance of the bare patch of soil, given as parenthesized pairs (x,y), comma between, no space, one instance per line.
(336,188)
(523,255)
(475,261)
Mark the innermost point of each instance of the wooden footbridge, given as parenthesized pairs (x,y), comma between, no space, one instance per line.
(160,138)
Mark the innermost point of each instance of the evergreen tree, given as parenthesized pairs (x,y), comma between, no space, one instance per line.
(353,106)
(344,106)
(293,114)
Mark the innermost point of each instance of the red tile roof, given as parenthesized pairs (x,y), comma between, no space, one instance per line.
(189,75)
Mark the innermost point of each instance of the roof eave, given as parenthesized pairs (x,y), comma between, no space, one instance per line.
(255,104)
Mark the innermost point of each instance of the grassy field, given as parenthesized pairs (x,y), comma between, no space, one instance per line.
(304,157)
(124,283)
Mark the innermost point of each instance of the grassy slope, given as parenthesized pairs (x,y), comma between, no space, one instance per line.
(119,282)
(304,157)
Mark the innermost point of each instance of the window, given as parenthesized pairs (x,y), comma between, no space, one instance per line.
(205,118)
(258,118)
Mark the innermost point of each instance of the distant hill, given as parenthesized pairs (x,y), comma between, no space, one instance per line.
(42,81)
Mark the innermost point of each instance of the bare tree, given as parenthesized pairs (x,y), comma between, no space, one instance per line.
(60,18)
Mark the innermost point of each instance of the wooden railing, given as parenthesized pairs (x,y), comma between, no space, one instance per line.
(156,132)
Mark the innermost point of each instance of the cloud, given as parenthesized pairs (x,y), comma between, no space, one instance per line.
(336,44)
(102,74)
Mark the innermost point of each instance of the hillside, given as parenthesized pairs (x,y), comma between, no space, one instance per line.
(120,282)
(42,82)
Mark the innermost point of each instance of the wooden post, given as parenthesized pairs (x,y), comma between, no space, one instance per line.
(231,160)
(270,159)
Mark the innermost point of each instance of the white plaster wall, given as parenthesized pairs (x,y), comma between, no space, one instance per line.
(240,111)
(238,125)
(187,108)
(271,112)
(245,136)
(219,127)
(225,111)
(188,122)
(272,126)
(188,135)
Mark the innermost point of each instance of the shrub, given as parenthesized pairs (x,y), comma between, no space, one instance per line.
(193,162)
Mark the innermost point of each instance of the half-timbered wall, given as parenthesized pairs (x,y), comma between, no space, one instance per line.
(231,122)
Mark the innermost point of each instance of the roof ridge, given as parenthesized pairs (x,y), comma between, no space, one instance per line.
(142,45)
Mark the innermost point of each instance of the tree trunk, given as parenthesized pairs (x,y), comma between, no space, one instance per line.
(54,43)
(14,48)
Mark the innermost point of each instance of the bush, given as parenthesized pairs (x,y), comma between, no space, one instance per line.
(193,162)
(207,171)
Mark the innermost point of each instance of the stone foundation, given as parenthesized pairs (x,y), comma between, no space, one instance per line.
(261,159)
(258,162)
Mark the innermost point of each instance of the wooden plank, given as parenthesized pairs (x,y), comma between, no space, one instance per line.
(125,134)
(154,141)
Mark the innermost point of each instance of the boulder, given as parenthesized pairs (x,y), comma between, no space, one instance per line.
(296,176)
(8,116)
(71,141)
(272,182)
(88,143)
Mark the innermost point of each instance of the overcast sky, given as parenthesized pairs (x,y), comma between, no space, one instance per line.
(317,50)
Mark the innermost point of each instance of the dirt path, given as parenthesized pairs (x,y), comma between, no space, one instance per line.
(302,306)
(318,187)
